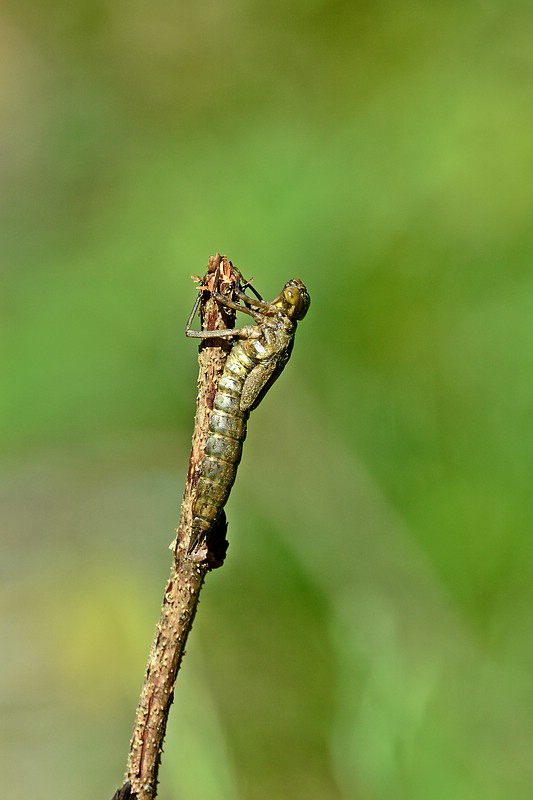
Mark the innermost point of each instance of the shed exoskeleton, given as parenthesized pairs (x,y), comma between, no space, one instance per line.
(256,359)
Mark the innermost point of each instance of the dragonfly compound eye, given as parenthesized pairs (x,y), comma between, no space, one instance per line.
(297,299)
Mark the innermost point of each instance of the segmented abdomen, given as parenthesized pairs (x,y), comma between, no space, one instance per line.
(223,449)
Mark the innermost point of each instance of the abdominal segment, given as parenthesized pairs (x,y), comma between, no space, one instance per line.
(223,448)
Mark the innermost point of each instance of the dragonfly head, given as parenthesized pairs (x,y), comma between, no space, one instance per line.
(294,299)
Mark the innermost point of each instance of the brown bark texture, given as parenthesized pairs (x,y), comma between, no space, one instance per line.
(187,573)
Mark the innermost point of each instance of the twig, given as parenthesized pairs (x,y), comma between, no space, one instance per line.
(187,574)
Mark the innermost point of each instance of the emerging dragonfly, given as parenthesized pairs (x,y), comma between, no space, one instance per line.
(257,358)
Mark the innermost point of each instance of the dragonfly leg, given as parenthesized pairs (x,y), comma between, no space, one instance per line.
(246,332)
(226,333)
(243,306)
(219,298)
(192,314)
(246,284)
(239,292)
(201,288)
(223,301)
(267,308)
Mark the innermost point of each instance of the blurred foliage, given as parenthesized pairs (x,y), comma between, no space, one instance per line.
(368,636)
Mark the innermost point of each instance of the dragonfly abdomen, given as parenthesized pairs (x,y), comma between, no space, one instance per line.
(223,448)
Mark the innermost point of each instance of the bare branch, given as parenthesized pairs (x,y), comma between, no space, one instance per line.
(187,574)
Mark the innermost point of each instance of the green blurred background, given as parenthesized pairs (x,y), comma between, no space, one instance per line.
(370,634)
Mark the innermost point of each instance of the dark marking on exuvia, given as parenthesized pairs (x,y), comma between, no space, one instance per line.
(124,793)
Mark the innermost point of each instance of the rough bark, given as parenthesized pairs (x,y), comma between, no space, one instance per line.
(187,573)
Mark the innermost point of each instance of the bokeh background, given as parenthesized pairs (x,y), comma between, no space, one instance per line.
(370,634)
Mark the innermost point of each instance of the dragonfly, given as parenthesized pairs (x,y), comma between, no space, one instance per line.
(258,356)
